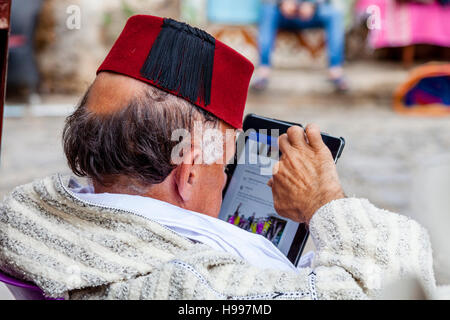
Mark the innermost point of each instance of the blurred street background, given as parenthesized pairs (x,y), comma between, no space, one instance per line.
(398,143)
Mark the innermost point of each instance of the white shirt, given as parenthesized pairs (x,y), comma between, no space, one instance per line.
(217,234)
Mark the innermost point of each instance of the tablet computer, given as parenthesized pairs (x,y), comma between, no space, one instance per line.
(247,199)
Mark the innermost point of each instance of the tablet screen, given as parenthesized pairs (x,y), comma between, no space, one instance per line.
(248,201)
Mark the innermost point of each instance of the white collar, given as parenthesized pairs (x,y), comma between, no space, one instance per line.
(213,232)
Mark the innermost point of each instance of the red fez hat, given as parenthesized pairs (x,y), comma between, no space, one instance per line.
(185,61)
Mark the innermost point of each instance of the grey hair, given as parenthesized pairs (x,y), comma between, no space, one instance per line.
(134,141)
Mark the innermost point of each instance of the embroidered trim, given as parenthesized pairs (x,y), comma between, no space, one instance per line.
(312,286)
(265,296)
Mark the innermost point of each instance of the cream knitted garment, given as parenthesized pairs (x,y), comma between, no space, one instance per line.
(77,250)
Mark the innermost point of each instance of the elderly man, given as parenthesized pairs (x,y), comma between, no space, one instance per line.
(146,226)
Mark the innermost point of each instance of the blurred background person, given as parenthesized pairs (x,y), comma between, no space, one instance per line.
(297,15)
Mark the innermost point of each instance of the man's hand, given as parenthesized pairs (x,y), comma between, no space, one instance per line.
(288,8)
(306,10)
(305,178)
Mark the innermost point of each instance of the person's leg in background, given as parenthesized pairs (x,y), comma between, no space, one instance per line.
(268,28)
(324,16)
(333,22)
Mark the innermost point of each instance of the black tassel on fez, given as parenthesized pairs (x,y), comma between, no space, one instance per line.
(181,60)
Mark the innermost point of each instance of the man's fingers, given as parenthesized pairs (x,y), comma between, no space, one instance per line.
(283,143)
(270,182)
(296,136)
(314,136)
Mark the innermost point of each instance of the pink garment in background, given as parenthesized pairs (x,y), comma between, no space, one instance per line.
(407,24)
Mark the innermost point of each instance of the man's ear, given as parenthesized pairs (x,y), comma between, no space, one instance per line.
(185,175)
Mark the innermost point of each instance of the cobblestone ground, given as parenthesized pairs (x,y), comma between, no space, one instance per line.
(384,156)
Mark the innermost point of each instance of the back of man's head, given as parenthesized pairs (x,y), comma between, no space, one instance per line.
(123,128)
(160,76)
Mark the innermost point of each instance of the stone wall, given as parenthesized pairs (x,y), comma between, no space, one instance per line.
(67,54)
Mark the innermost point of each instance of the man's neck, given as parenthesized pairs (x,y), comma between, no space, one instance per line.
(162,191)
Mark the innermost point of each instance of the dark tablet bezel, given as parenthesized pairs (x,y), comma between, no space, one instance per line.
(255,122)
